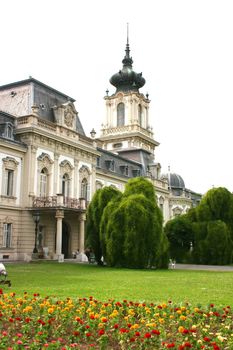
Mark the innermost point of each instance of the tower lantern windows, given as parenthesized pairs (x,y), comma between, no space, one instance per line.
(120,114)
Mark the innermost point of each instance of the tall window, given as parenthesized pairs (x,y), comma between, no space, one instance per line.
(140,115)
(65,185)
(120,114)
(85,189)
(9,131)
(43,182)
(7,231)
(9,181)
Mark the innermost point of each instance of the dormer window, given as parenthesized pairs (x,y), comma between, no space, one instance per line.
(110,164)
(136,172)
(124,169)
(8,131)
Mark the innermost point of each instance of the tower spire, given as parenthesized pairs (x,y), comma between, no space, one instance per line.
(127,50)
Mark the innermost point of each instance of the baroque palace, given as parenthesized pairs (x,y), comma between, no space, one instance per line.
(49,168)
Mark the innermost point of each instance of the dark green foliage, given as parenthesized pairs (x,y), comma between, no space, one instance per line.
(211,226)
(180,235)
(140,185)
(217,204)
(218,245)
(131,230)
(94,214)
(213,243)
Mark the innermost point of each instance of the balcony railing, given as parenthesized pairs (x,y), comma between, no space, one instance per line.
(59,201)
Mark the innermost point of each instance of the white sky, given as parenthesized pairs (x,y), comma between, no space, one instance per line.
(184,48)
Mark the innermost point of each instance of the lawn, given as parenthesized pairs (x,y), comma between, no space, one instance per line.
(103,283)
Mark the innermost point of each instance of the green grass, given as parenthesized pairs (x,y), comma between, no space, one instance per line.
(77,280)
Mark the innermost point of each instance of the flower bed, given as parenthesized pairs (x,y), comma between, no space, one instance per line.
(33,322)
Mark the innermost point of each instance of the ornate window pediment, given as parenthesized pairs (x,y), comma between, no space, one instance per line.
(66,167)
(84,171)
(45,161)
(10,163)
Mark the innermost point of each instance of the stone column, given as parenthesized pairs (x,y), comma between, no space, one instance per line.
(56,173)
(31,169)
(82,257)
(59,217)
(76,163)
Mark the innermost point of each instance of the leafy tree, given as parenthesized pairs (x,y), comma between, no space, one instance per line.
(180,235)
(132,230)
(217,204)
(94,214)
(214,228)
(217,247)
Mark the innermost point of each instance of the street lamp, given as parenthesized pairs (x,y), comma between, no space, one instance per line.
(36,218)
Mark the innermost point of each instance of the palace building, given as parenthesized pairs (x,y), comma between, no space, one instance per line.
(50,169)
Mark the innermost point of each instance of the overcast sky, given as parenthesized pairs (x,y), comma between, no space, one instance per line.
(183,48)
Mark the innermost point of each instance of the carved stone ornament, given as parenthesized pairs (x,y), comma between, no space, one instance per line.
(84,172)
(10,163)
(44,161)
(66,167)
(69,117)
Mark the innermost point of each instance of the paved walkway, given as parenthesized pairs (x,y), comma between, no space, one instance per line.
(203,267)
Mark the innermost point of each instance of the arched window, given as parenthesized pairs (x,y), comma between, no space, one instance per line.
(65,185)
(43,182)
(120,114)
(140,115)
(9,131)
(84,189)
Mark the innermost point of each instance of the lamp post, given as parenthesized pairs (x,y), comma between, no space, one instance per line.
(36,218)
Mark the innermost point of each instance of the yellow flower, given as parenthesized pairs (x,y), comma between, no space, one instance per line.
(27,309)
(134,326)
(50,310)
(181,329)
(183,318)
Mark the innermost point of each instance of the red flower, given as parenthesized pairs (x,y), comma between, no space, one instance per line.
(185,331)
(147,335)
(124,330)
(132,340)
(76,333)
(170,345)
(101,332)
(88,334)
(206,339)
(137,334)
(116,326)
(155,331)
(1,292)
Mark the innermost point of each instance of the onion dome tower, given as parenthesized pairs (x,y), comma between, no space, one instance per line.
(126,79)
(126,130)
